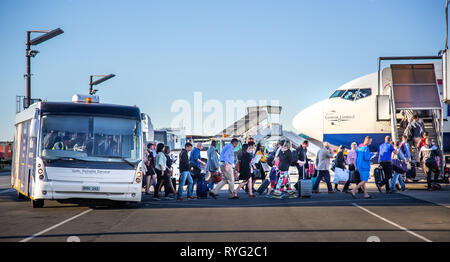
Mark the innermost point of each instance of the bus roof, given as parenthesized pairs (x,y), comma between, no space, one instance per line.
(70,108)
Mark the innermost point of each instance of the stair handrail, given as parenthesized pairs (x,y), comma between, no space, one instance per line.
(438,124)
(394,134)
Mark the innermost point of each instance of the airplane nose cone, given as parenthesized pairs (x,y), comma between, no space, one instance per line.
(310,121)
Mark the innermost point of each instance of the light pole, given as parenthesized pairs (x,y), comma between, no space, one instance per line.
(96,82)
(48,34)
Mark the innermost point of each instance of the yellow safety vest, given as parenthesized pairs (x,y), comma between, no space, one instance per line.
(61,146)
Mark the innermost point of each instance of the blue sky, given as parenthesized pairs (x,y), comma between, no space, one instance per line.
(296,51)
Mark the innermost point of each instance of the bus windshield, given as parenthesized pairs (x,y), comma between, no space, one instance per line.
(90,138)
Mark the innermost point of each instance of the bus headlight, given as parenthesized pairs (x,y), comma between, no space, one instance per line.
(40,168)
(138,177)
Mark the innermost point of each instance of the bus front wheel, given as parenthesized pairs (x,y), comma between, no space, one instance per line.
(38,203)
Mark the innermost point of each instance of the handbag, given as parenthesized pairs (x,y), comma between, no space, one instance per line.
(340,176)
(352,176)
(236,175)
(216,177)
(237,167)
(398,166)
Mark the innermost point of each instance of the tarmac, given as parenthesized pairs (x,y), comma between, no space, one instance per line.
(416,215)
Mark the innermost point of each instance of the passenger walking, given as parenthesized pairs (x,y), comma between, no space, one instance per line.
(303,161)
(363,157)
(399,167)
(286,158)
(185,173)
(273,176)
(351,162)
(160,167)
(169,188)
(405,148)
(261,164)
(212,165)
(428,156)
(414,131)
(196,162)
(323,167)
(226,166)
(251,145)
(260,150)
(385,160)
(270,160)
(422,141)
(340,163)
(246,171)
(149,162)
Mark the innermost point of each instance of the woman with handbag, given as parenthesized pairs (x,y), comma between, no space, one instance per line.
(149,162)
(245,171)
(351,162)
(399,167)
(340,163)
(212,164)
(260,172)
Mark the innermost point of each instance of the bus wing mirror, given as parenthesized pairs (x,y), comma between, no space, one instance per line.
(34,126)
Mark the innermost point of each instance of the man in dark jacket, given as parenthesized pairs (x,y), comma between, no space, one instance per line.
(428,154)
(303,161)
(185,173)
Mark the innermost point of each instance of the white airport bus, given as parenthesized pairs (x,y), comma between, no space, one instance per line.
(77,151)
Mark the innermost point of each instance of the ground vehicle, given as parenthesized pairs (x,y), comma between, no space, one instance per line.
(69,151)
(148,132)
(5,154)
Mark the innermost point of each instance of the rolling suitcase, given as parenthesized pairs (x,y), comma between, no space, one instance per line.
(411,172)
(174,183)
(379,177)
(264,185)
(202,188)
(305,186)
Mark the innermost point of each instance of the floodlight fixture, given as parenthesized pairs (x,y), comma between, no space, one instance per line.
(47,34)
(96,82)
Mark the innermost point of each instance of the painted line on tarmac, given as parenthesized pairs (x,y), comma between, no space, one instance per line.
(55,226)
(392,223)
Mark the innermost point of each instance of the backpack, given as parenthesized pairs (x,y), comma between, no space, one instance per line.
(294,155)
(270,158)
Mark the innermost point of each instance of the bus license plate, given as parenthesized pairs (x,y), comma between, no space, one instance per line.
(91,188)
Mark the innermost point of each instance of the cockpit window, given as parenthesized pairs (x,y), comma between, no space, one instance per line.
(337,93)
(350,94)
(363,93)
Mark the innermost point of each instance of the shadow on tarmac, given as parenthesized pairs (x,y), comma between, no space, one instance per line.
(179,232)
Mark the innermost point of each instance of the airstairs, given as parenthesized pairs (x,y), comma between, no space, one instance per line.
(414,90)
(262,123)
